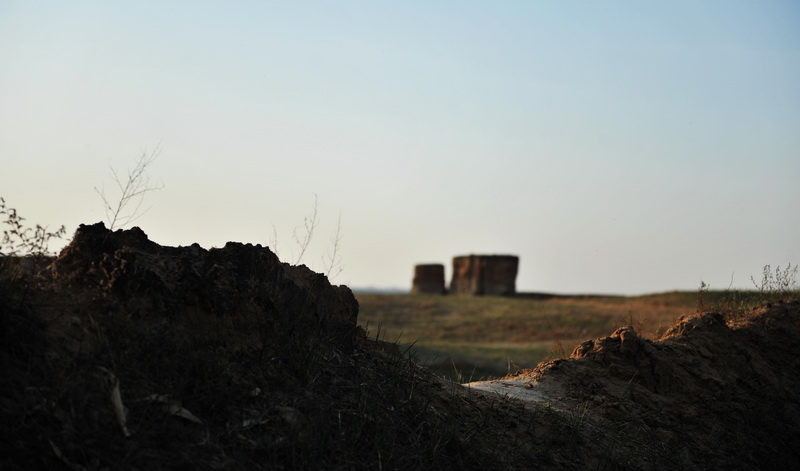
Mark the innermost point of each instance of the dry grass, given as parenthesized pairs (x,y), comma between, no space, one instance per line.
(478,337)
(463,338)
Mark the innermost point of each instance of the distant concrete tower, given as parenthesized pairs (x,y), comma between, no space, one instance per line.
(428,279)
(493,275)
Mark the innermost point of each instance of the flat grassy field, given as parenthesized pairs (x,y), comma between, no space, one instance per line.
(471,338)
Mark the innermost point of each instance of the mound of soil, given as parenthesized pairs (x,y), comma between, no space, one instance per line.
(124,354)
(722,394)
(150,280)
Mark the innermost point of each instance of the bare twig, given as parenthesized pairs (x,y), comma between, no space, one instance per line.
(303,236)
(273,241)
(309,224)
(333,264)
(132,192)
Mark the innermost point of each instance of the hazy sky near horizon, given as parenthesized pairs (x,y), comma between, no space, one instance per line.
(617,147)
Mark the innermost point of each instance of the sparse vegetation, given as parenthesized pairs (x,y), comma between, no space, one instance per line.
(303,236)
(332,260)
(303,239)
(488,333)
(454,334)
(24,250)
(775,285)
(778,285)
(20,239)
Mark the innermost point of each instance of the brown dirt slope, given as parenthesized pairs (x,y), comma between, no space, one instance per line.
(124,354)
(725,393)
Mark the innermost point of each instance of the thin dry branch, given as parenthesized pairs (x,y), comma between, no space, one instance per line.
(132,191)
(333,264)
(273,241)
(309,224)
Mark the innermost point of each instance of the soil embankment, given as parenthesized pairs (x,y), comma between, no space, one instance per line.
(124,354)
(728,390)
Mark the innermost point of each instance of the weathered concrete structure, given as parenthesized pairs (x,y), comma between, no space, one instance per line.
(428,279)
(493,275)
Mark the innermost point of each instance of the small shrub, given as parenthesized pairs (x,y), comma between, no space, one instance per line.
(23,251)
(702,296)
(777,285)
(19,239)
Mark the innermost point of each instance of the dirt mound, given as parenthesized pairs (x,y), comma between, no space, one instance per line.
(725,394)
(151,280)
(124,354)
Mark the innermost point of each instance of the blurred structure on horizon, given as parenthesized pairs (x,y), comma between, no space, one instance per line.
(428,279)
(479,275)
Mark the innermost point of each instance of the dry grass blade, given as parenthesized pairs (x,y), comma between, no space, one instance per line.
(116,402)
(60,455)
(173,407)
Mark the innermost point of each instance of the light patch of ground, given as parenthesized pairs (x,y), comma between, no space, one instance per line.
(520,388)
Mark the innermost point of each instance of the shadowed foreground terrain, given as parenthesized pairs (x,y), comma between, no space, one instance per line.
(123,354)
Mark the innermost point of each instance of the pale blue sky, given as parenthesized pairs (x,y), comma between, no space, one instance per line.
(621,147)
